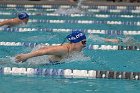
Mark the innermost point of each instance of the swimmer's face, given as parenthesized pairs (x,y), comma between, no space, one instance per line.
(83,42)
(80,45)
(25,20)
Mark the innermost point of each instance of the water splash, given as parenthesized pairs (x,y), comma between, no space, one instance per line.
(9,61)
(75,10)
(128,40)
(79,4)
(76,56)
(40,60)
(96,39)
(68,11)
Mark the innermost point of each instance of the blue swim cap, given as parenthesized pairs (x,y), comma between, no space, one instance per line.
(23,15)
(76,36)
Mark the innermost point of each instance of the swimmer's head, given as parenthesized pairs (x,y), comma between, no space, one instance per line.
(76,36)
(23,16)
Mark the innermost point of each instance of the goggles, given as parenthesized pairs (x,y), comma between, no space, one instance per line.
(83,42)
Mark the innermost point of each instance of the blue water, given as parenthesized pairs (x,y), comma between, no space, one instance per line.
(63,85)
(90,60)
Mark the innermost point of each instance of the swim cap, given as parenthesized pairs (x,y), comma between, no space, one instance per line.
(23,15)
(76,36)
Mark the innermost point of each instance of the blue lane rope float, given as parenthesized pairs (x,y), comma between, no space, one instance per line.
(95,31)
(90,47)
(70,73)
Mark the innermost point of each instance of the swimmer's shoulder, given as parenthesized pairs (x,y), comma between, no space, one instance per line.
(66,45)
(60,49)
(8,22)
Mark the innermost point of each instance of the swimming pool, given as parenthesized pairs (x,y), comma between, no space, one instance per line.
(48,28)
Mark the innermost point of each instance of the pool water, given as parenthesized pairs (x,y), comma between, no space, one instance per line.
(62,85)
(116,60)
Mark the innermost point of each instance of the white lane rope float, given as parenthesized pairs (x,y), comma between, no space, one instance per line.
(90,47)
(70,73)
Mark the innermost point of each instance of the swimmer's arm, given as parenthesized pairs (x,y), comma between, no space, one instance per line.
(54,50)
(60,50)
(6,22)
(111,40)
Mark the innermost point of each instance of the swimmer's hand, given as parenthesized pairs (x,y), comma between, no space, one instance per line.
(20,58)
(111,40)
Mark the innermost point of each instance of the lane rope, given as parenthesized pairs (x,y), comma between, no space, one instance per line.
(70,73)
(94,31)
(87,22)
(90,47)
(77,15)
(134,7)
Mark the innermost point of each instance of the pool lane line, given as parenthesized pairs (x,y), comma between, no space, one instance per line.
(76,15)
(136,7)
(89,47)
(70,73)
(66,30)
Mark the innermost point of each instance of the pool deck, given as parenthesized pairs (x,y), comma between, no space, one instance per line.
(62,2)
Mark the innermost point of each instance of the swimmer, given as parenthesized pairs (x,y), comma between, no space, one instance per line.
(23,18)
(127,40)
(97,38)
(111,40)
(57,53)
